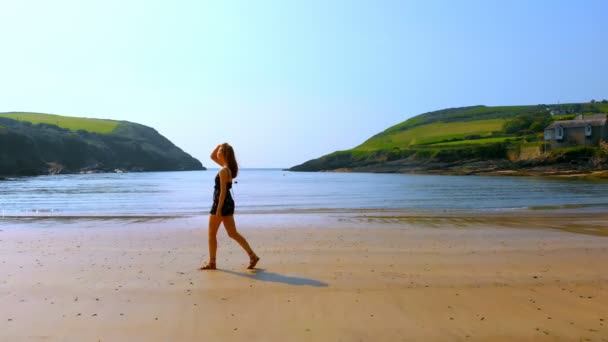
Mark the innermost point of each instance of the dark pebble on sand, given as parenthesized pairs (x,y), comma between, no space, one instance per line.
(482,318)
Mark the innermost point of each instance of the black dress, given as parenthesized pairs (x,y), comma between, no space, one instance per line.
(228,207)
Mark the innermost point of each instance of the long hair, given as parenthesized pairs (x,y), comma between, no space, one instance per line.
(231,160)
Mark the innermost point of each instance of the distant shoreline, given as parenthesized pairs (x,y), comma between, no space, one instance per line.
(481,168)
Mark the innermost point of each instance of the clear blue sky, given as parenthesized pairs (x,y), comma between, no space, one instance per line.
(287,81)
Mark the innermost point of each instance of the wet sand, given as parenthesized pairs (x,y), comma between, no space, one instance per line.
(360,276)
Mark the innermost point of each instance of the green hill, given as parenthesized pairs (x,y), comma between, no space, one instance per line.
(67,122)
(36,143)
(453,135)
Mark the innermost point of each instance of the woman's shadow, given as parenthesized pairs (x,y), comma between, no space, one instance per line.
(262,275)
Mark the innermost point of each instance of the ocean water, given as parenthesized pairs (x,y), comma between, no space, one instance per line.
(266,190)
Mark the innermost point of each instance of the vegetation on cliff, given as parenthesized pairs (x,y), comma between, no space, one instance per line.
(34,143)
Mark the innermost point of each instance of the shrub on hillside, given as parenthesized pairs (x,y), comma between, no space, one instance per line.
(572,153)
(527,123)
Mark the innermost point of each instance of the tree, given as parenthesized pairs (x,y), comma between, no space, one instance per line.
(527,123)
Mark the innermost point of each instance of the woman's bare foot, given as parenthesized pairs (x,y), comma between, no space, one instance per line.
(253,260)
(209,266)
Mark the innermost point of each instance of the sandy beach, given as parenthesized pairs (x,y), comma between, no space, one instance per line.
(358,276)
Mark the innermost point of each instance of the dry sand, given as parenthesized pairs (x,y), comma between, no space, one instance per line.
(322,277)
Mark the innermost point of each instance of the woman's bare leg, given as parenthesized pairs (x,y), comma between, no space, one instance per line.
(233,233)
(214,226)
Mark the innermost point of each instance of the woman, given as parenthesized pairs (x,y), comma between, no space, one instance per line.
(223,205)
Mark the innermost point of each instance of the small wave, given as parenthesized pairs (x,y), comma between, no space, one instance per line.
(68,218)
(568,206)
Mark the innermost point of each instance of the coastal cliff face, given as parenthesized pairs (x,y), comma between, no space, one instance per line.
(28,148)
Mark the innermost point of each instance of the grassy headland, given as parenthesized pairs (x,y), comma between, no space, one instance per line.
(67,122)
(36,143)
(504,136)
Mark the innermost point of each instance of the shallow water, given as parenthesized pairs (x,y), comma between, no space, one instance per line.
(263,191)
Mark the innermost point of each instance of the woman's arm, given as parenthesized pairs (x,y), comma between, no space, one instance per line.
(223,188)
(214,154)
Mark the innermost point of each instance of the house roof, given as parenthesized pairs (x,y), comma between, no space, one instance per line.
(593,120)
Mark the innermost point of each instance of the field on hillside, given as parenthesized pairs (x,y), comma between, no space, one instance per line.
(602,106)
(462,114)
(71,123)
(473,142)
(432,134)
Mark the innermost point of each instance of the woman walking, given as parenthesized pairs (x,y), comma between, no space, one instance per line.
(222,209)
